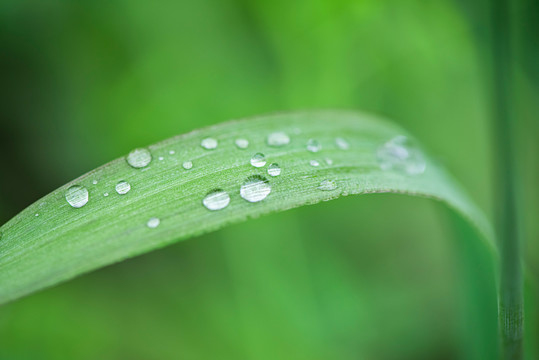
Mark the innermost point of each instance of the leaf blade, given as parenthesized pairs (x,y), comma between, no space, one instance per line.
(63,242)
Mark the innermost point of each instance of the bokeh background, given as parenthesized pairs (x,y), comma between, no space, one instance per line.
(370,277)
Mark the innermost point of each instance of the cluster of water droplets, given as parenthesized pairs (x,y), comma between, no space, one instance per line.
(396,154)
(401,154)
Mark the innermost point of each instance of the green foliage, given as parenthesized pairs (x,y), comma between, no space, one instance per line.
(52,241)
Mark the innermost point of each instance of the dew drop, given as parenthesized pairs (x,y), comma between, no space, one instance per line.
(161,158)
(278,138)
(216,200)
(36,215)
(329,161)
(255,188)
(401,154)
(342,144)
(242,143)
(153,223)
(77,196)
(94,182)
(313,146)
(123,187)
(172,152)
(139,158)
(258,160)
(106,194)
(209,143)
(314,163)
(274,170)
(327,185)
(188,165)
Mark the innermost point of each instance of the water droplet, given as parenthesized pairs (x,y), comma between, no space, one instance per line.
(242,143)
(313,146)
(274,170)
(278,138)
(342,144)
(314,163)
(209,143)
(123,187)
(161,158)
(187,165)
(255,188)
(106,194)
(153,223)
(329,161)
(94,182)
(327,185)
(172,152)
(36,215)
(216,200)
(401,154)
(139,158)
(258,160)
(77,196)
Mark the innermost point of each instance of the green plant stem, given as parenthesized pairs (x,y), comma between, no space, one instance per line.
(511,310)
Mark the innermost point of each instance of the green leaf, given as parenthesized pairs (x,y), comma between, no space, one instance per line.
(51,241)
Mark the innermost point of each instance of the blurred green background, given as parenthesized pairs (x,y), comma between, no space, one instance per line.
(371,277)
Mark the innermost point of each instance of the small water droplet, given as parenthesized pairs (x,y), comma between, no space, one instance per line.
(327,185)
(187,165)
(172,152)
(139,158)
(342,144)
(106,194)
(123,187)
(401,154)
(314,163)
(36,215)
(274,170)
(209,143)
(258,160)
(329,161)
(255,188)
(153,223)
(161,158)
(278,138)
(216,200)
(313,146)
(242,143)
(77,196)
(94,182)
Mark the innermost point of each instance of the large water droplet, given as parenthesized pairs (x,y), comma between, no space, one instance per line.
(188,165)
(77,196)
(139,158)
(278,138)
(327,185)
(274,170)
(242,143)
(209,143)
(255,188)
(342,144)
(153,223)
(123,187)
(401,154)
(314,163)
(216,200)
(313,146)
(258,160)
